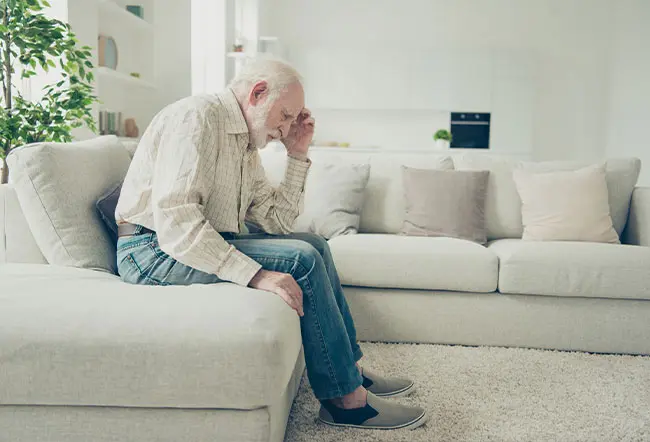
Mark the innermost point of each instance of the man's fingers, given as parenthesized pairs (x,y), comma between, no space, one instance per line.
(290,300)
(286,296)
(296,291)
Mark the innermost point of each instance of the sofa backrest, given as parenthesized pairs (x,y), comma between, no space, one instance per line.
(503,205)
(17,244)
(383,209)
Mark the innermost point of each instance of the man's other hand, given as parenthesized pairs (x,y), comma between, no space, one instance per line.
(300,135)
(282,284)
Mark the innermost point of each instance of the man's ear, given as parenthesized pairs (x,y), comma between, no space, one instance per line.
(259,92)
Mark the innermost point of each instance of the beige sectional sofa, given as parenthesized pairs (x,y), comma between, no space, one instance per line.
(85,357)
(557,295)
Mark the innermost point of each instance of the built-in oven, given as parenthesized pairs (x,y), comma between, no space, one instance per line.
(470,130)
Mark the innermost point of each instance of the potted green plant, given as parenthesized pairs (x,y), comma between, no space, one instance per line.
(442,137)
(28,40)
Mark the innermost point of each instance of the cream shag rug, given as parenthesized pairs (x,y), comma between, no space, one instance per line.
(501,394)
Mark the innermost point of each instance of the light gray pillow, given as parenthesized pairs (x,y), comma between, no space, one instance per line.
(447,203)
(58,185)
(334,196)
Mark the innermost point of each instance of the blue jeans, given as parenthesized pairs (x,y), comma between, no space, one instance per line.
(328,333)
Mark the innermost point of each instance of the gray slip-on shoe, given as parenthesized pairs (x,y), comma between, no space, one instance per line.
(386,386)
(378,414)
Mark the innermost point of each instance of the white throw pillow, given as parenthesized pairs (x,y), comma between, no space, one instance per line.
(58,185)
(334,196)
(565,206)
(622,175)
(334,192)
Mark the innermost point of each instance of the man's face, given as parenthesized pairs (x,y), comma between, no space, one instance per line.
(271,120)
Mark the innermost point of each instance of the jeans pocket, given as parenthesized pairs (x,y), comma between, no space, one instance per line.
(128,269)
(136,264)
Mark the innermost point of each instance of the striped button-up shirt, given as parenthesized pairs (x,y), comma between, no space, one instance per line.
(194,174)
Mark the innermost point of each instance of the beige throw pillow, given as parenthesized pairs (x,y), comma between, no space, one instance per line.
(565,206)
(58,185)
(445,203)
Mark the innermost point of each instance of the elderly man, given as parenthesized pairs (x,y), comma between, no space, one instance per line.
(195,181)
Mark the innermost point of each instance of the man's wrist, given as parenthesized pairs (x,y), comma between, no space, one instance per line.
(298,154)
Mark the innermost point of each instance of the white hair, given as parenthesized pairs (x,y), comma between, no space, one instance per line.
(278,75)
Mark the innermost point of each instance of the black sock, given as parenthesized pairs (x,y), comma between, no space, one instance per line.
(353,416)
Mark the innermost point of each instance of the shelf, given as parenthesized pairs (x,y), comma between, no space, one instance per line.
(107,73)
(110,8)
(240,55)
(351,148)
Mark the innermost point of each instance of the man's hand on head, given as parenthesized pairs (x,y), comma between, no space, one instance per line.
(300,135)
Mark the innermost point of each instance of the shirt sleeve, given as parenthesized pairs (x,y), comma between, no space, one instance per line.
(275,210)
(183,173)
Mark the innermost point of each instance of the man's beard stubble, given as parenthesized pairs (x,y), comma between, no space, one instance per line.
(258,131)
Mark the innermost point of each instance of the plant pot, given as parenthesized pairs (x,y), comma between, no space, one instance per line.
(442,144)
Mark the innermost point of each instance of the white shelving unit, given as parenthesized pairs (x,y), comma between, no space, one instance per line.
(110,10)
(133,96)
(107,74)
(152,54)
(240,55)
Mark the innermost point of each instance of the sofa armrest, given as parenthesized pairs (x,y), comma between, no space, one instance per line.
(637,231)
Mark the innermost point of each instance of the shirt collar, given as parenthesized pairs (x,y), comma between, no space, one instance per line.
(235,122)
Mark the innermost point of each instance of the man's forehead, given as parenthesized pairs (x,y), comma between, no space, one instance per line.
(293,100)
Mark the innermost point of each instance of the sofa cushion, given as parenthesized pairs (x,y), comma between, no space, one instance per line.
(558,268)
(333,199)
(428,263)
(71,336)
(106,205)
(384,207)
(447,203)
(565,205)
(503,205)
(58,185)
(17,243)
(334,192)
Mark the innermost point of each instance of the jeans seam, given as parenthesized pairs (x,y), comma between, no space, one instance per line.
(143,275)
(133,245)
(320,329)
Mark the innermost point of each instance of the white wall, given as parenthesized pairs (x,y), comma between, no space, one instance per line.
(172,58)
(208,45)
(549,72)
(629,87)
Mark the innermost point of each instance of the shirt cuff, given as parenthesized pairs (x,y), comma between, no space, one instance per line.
(297,171)
(238,268)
